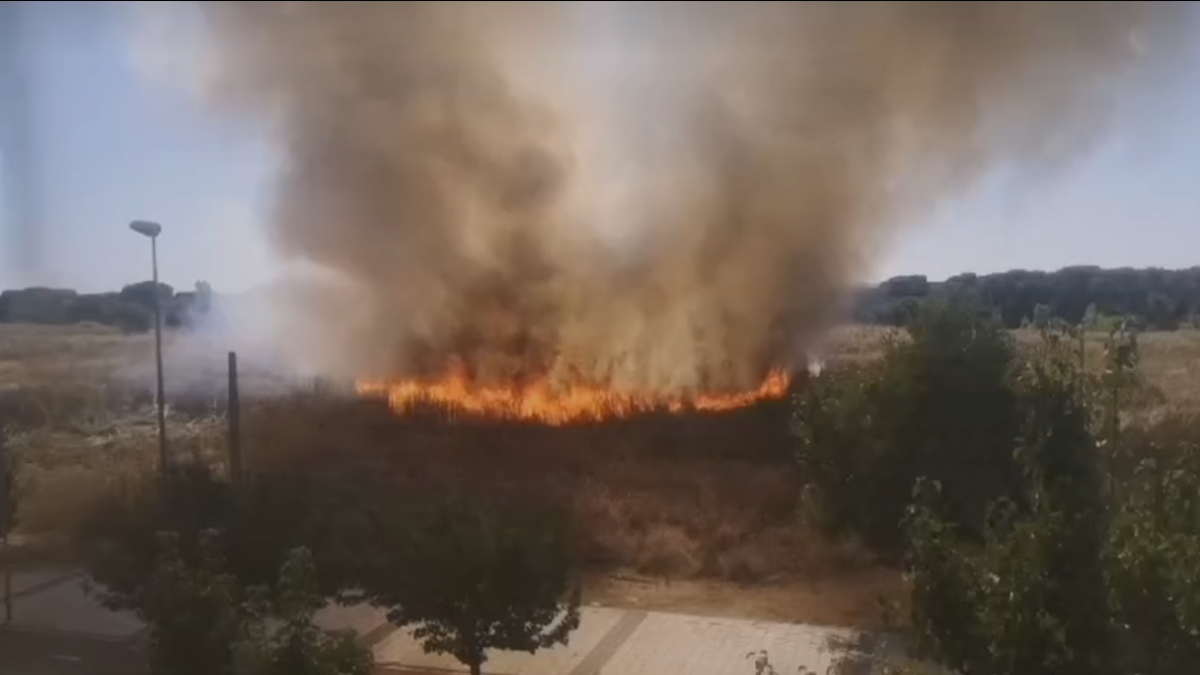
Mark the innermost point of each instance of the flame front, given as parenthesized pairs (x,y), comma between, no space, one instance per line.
(543,402)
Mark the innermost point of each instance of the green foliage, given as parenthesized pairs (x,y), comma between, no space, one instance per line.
(1084,580)
(471,575)
(261,519)
(202,619)
(297,646)
(1153,559)
(475,575)
(194,612)
(1165,299)
(121,540)
(143,292)
(111,309)
(1033,598)
(941,406)
(130,310)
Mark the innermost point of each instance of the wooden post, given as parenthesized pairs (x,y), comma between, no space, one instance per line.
(235,422)
(8,485)
(8,586)
(7,579)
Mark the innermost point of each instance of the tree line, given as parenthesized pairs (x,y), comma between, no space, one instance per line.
(1158,298)
(130,310)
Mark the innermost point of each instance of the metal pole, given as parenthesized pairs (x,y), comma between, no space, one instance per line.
(160,399)
(235,422)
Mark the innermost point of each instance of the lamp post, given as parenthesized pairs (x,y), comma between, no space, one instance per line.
(151,230)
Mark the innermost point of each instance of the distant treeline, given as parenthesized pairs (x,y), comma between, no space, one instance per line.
(1156,298)
(131,309)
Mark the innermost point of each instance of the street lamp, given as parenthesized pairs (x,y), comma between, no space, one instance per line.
(152,230)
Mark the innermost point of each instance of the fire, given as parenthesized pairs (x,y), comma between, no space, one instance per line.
(542,402)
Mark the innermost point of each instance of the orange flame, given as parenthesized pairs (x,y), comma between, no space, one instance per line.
(542,402)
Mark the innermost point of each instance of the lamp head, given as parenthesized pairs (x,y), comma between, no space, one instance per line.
(146,228)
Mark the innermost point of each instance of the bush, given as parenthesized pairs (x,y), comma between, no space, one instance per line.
(1153,562)
(295,645)
(1033,599)
(1086,579)
(194,612)
(941,405)
(262,519)
(201,619)
(476,575)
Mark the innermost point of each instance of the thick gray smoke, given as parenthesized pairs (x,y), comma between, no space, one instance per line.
(660,195)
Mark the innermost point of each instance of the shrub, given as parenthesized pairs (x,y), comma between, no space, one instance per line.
(475,575)
(1086,579)
(1033,599)
(940,405)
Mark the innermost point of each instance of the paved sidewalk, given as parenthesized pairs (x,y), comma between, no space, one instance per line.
(55,601)
(608,641)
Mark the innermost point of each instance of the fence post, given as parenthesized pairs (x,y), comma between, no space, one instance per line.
(235,422)
(8,518)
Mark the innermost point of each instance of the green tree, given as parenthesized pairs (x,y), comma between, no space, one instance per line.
(1153,562)
(297,646)
(1034,600)
(940,405)
(120,539)
(260,520)
(474,576)
(142,293)
(203,620)
(195,613)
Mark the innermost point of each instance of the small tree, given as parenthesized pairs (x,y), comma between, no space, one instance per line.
(298,646)
(473,577)
(1034,599)
(940,405)
(195,614)
(1153,562)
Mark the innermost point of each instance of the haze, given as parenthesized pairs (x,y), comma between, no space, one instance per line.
(110,142)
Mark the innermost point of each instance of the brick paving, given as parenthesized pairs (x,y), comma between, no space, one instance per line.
(608,642)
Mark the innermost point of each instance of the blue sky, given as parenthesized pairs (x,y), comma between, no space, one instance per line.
(110,144)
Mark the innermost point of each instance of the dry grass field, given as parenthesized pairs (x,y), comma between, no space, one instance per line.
(697,513)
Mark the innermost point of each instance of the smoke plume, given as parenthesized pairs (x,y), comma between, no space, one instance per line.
(658,195)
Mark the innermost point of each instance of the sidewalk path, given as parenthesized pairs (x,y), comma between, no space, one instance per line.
(37,653)
(609,641)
